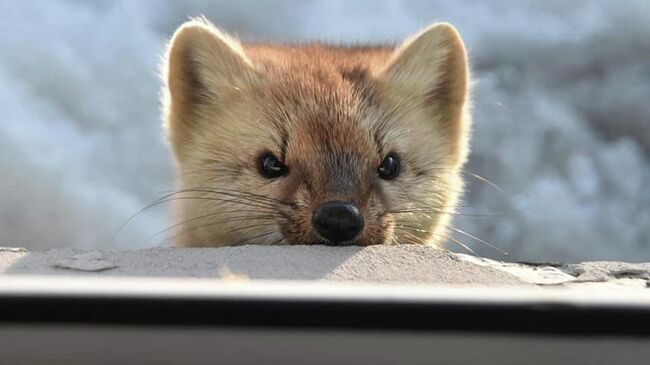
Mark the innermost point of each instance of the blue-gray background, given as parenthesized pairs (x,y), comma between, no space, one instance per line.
(561,110)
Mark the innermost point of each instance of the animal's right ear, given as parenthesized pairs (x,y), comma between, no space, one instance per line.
(202,65)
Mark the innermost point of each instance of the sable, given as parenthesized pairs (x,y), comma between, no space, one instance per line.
(278,144)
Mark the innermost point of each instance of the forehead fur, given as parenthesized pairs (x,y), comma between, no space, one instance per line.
(312,93)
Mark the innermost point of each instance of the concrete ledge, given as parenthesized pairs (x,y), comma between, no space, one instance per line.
(379,305)
(378,264)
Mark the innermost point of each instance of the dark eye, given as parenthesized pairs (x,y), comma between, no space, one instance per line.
(271,167)
(389,168)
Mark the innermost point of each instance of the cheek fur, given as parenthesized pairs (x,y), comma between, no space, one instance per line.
(425,207)
(296,227)
(379,223)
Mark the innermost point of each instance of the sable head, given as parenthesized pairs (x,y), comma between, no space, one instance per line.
(316,144)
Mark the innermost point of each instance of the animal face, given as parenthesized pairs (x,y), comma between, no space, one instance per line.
(315,144)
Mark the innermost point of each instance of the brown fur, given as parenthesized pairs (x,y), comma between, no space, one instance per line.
(330,114)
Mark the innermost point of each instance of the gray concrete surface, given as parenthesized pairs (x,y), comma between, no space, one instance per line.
(409,264)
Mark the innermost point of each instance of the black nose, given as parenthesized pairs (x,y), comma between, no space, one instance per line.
(337,221)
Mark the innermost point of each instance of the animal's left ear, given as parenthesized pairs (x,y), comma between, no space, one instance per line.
(431,70)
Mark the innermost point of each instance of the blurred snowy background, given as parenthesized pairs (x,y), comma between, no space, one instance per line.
(562,114)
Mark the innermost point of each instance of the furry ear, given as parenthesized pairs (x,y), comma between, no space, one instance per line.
(202,66)
(431,70)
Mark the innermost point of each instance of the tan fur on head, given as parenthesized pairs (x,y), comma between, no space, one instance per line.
(330,115)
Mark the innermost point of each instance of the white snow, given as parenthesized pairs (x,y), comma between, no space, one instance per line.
(562,118)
